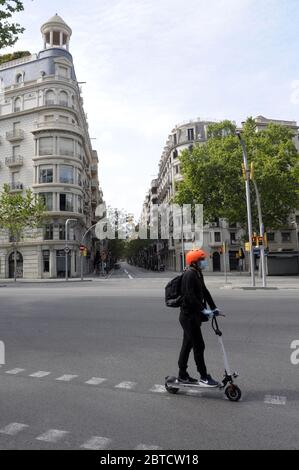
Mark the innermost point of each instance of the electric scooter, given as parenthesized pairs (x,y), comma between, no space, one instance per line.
(231,390)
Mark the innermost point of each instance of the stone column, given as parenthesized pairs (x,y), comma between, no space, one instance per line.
(52,263)
(61,39)
(51,38)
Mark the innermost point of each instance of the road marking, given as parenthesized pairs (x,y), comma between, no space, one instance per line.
(67,377)
(157,388)
(95,381)
(129,275)
(53,435)
(97,443)
(15,371)
(147,447)
(275,400)
(40,374)
(126,385)
(13,428)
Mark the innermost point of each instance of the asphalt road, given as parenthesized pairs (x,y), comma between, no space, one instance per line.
(85,368)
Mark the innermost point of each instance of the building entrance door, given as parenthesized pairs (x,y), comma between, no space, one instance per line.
(60,263)
(11,265)
(216,261)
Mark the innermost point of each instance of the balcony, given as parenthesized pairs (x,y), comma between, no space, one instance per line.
(58,125)
(94,168)
(15,135)
(94,184)
(15,187)
(16,160)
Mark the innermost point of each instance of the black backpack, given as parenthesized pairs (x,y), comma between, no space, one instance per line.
(173,294)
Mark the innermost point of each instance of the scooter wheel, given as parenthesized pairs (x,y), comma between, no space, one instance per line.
(171,389)
(233,392)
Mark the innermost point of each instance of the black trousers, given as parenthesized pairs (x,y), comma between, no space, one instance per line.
(192,339)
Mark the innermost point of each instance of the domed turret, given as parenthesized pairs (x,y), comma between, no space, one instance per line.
(56,33)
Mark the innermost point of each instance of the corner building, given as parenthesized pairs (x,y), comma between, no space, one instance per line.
(45,146)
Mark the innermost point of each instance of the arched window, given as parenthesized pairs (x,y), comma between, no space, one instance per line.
(63,98)
(19,78)
(17,105)
(73,102)
(49,97)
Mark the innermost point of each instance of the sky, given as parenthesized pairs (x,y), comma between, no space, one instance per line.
(151,64)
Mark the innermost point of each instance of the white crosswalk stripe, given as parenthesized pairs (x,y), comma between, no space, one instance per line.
(40,374)
(158,389)
(275,400)
(15,371)
(53,435)
(97,443)
(95,381)
(126,385)
(67,377)
(13,428)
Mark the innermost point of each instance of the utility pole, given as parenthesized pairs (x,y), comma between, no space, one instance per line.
(262,233)
(66,248)
(182,237)
(248,202)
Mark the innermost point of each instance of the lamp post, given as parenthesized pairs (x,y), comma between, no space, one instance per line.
(262,233)
(248,202)
(182,237)
(297,238)
(66,248)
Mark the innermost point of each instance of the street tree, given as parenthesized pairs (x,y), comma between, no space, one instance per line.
(212,174)
(9,31)
(20,212)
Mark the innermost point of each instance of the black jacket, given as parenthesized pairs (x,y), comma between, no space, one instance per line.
(195,293)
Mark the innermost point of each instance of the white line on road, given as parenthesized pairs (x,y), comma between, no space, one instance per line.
(95,381)
(147,447)
(67,377)
(158,389)
(126,385)
(40,374)
(13,428)
(129,275)
(275,400)
(96,443)
(53,435)
(15,371)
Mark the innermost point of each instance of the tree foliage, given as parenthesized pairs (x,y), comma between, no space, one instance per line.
(212,174)
(18,211)
(13,56)
(9,31)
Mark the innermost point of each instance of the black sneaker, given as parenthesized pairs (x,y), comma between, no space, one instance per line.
(186,379)
(207,381)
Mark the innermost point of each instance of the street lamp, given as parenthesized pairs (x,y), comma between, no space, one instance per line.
(66,248)
(248,202)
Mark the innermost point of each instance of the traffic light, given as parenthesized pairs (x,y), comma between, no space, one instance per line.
(254,240)
(260,241)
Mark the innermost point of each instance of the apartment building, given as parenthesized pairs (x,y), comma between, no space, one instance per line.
(45,145)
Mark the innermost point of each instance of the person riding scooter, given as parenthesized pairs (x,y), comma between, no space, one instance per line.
(195,299)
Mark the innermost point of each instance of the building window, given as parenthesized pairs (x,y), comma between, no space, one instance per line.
(46,261)
(79,178)
(66,174)
(63,98)
(46,146)
(63,72)
(175,154)
(177,169)
(175,140)
(271,236)
(217,237)
(17,105)
(66,146)
(190,134)
(49,98)
(47,198)
(16,151)
(80,205)
(61,231)
(233,237)
(48,235)
(66,202)
(285,237)
(45,175)
(19,78)
(79,150)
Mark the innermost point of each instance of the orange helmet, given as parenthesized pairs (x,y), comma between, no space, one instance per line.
(195,255)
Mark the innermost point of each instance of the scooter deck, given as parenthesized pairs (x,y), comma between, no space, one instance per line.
(175,383)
